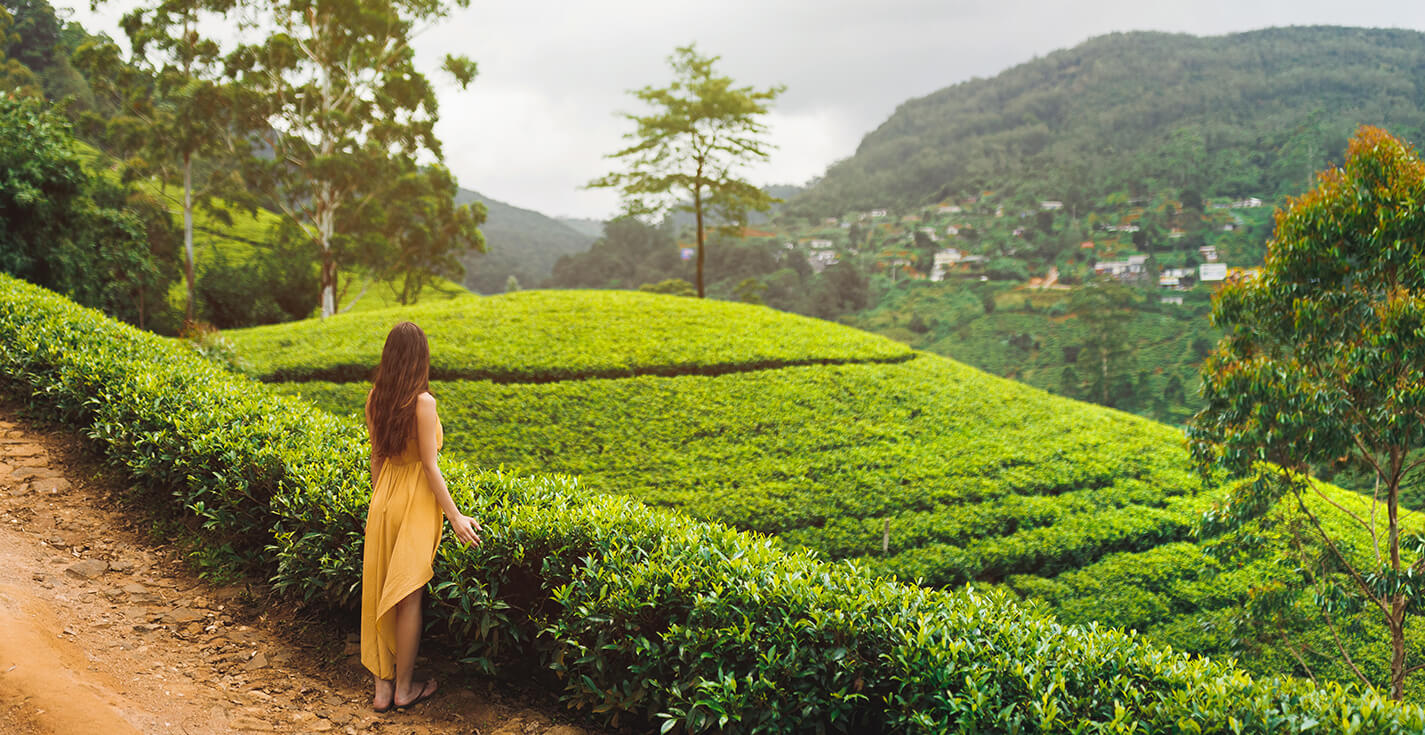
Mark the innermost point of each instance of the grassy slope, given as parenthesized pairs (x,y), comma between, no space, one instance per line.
(537,336)
(976,478)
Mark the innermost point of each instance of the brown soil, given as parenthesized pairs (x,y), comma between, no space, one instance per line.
(104,630)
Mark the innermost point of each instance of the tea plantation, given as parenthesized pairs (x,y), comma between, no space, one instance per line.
(556,335)
(641,613)
(923,469)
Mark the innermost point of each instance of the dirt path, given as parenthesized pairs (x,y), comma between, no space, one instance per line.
(102,631)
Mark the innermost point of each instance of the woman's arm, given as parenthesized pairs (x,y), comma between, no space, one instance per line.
(427,424)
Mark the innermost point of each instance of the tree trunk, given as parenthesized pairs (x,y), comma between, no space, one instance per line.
(1103,358)
(1397,650)
(325,209)
(188,230)
(188,176)
(328,283)
(698,211)
(325,215)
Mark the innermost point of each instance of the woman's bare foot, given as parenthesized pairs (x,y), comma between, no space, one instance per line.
(385,695)
(426,690)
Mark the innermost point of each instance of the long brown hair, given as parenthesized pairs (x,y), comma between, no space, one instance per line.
(404,373)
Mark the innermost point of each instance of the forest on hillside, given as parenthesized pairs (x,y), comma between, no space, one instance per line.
(1246,114)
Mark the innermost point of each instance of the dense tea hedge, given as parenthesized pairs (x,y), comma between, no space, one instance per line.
(640,610)
(535,336)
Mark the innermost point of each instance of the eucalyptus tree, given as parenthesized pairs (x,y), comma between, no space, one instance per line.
(687,150)
(174,108)
(336,83)
(1324,361)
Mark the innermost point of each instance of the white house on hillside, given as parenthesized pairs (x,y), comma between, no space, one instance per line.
(944,260)
(1135,267)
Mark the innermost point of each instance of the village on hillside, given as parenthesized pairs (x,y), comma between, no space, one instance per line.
(1043,244)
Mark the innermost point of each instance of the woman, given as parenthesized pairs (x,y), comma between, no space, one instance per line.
(403,525)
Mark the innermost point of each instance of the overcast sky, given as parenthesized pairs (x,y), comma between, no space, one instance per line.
(536,124)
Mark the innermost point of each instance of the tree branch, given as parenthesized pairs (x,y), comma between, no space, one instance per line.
(1335,551)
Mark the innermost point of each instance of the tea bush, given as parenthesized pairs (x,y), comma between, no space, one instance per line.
(641,612)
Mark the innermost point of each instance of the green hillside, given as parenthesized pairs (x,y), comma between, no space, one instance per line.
(1246,114)
(519,242)
(964,477)
(552,335)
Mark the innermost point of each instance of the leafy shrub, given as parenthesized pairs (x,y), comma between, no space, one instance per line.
(639,611)
(83,235)
(211,345)
(670,286)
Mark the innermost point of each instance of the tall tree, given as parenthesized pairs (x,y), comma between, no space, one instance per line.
(1104,306)
(1324,361)
(687,151)
(173,109)
(337,85)
(423,230)
(36,31)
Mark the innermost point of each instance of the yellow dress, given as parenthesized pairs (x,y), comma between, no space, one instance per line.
(403,530)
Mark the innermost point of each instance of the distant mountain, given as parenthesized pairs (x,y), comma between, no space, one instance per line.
(520,242)
(684,219)
(1244,114)
(591,227)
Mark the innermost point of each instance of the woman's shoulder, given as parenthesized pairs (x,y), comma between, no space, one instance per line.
(425,400)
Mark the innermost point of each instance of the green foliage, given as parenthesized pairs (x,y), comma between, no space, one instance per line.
(1245,114)
(685,152)
(534,336)
(671,287)
(64,229)
(425,229)
(638,611)
(965,323)
(172,110)
(1323,362)
(346,116)
(267,290)
(1105,306)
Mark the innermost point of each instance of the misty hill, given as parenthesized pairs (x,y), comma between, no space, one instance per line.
(1244,114)
(584,225)
(521,242)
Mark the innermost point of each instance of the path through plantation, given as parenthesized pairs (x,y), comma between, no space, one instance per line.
(104,630)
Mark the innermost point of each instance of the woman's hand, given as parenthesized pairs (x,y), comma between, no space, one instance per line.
(466,529)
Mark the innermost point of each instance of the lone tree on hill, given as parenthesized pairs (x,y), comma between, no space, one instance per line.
(1324,359)
(348,115)
(687,150)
